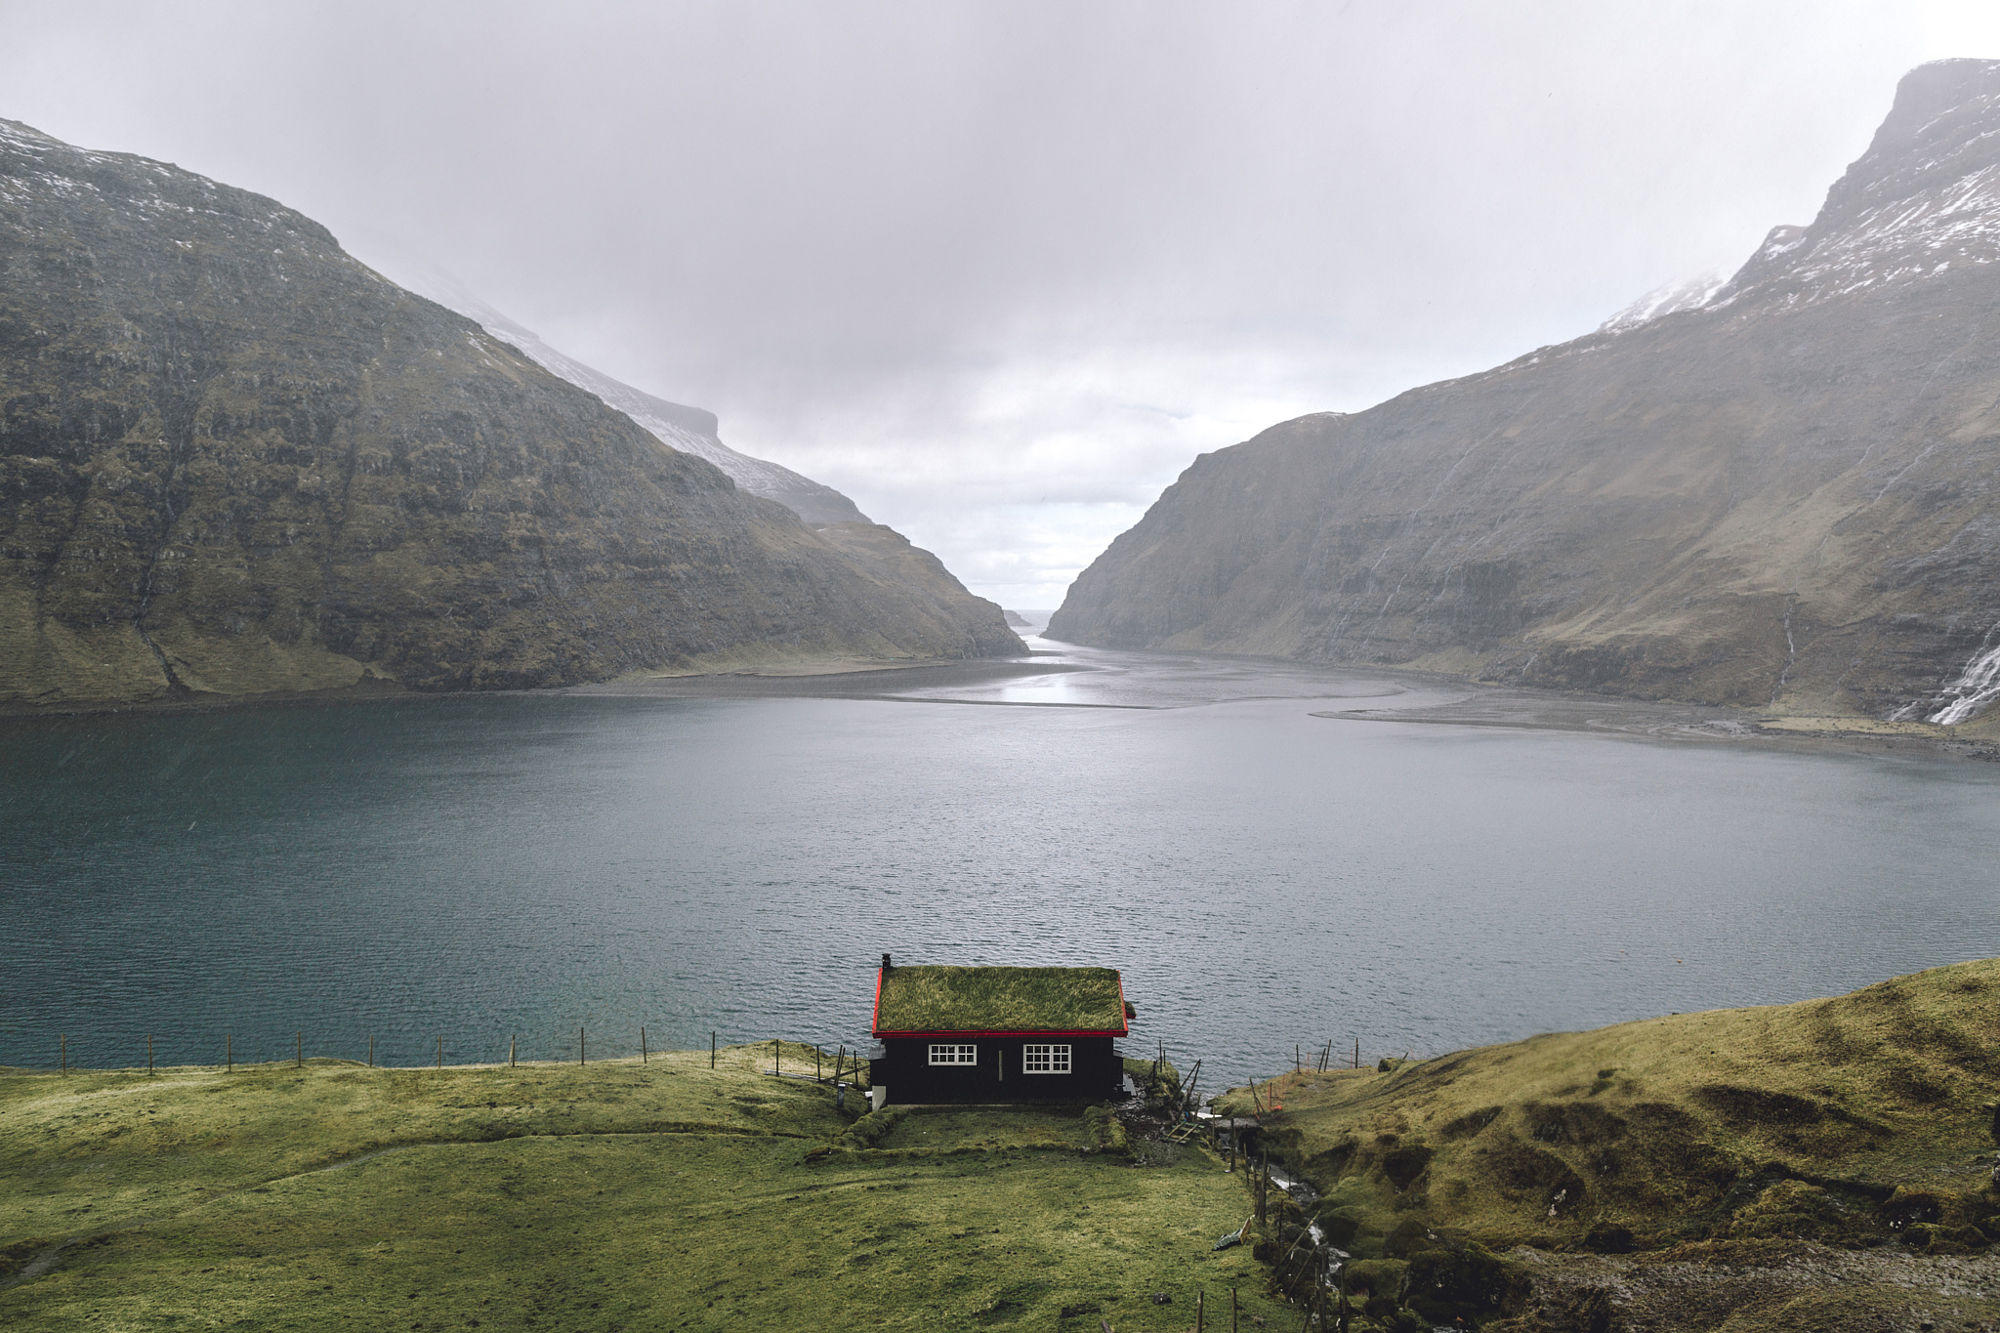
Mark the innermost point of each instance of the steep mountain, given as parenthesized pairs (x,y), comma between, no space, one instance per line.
(688,429)
(234,460)
(1778,492)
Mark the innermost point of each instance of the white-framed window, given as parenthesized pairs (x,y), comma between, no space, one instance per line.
(954,1053)
(1045,1059)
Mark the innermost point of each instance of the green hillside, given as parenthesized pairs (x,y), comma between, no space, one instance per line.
(1762,1136)
(611,1196)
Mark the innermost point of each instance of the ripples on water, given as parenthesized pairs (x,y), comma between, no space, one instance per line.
(480,867)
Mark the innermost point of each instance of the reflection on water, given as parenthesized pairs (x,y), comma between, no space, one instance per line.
(1093,678)
(477,867)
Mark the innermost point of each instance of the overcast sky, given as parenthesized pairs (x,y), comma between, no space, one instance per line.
(1000,271)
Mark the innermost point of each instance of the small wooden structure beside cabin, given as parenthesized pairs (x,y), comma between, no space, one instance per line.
(998,1034)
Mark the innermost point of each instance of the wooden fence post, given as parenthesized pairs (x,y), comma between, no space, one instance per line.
(1200,1310)
(774,1055)
(511,1040)
(642,1043)
(711,1049)
(1232,1310)
(816,1054)
(228,1054)
(579,1046)
(440,1053)
(298,1050)
(149,1054)
(1357,1052)
(371,1050)
(64,1039)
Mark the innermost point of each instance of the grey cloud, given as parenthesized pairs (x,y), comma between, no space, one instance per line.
(1000,270)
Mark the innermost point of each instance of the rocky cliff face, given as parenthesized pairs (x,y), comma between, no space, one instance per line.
(234,460)
(691,430)
(1778,491)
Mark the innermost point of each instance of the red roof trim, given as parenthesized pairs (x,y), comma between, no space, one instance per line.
(983,1032)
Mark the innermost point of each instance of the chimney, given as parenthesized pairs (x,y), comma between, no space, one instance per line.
(885,962)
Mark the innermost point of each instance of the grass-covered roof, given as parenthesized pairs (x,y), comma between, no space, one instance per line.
(1000,999)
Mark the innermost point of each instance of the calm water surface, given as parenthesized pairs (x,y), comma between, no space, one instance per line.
(479,867)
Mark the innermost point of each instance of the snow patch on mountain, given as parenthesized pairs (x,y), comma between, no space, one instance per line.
(1953,222)
(1692,294)
(1923,199)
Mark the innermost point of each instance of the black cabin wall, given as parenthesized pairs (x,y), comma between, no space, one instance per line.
(1096,1072)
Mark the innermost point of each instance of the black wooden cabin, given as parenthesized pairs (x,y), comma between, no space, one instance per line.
(998,1034)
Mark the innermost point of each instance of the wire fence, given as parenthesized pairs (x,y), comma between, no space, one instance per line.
(581,1045)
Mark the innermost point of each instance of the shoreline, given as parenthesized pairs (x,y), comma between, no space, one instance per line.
(860,681)
(864,678)
(1501,707)
(1498,706)
(1440,700)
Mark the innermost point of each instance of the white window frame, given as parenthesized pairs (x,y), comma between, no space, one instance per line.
(955,1053)
(1045,1058)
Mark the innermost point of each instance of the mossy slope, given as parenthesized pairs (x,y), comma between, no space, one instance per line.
(1857,1119)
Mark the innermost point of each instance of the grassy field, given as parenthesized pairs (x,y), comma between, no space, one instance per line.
(614,1196)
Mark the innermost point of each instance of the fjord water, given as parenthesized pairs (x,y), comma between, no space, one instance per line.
(472,868)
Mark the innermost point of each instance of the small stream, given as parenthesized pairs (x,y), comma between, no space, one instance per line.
(1976,687)
(1306,1197)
